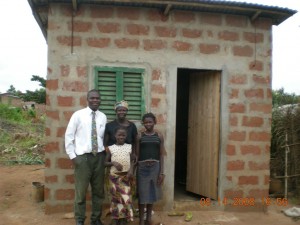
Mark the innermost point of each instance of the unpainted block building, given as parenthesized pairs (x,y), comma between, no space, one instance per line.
(203,68)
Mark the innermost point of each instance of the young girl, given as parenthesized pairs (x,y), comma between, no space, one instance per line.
(118,157)
(150,173)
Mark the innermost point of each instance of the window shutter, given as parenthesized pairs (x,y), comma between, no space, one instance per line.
(133,89)
(106,83)
(120,83)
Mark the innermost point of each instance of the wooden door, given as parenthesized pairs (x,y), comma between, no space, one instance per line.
(203,134)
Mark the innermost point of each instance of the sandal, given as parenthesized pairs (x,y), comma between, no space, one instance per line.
(188,217)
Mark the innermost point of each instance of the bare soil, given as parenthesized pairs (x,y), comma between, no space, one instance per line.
(18,207)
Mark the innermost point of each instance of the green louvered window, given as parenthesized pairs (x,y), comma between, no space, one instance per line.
(119,83)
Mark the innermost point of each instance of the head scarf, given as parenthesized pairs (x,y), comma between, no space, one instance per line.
(122,103)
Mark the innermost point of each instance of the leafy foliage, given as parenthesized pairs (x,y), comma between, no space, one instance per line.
(12,90)
(39,79)
(280,98)
(15,114)
(12,114)
(38,96)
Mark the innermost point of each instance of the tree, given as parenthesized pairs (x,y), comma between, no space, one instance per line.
(12,90)
(280,98)
(38,96)
(39,79)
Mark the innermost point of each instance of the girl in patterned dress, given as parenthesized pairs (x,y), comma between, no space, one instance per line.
(119,158)
(150,172)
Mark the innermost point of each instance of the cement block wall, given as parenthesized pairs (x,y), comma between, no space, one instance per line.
(145,38)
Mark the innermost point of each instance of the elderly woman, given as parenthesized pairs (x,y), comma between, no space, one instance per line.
(121,109)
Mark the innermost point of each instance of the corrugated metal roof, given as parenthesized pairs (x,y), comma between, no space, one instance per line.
(251,10)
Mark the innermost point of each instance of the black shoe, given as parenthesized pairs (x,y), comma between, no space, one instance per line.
(79,222)
(96,222)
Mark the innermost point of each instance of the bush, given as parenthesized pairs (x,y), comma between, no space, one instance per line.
(16,114)
(11,113)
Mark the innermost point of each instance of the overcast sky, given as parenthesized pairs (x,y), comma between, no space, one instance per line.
(23,49)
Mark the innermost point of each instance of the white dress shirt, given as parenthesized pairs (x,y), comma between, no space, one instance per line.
(78,134)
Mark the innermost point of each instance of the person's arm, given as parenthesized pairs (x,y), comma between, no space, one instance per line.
(131,168)
(106,138)
(161,160)
(134,137)
(109,163)
(137,151)
(70,138)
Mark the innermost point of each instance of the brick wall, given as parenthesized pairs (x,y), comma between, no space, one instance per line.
(108,36)
(11,100)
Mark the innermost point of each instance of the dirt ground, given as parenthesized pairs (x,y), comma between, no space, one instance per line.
(18,207)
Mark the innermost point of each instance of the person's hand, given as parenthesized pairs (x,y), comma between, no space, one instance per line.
(118,166)
(129,175)
(74,161)
(134,159)
(160,179)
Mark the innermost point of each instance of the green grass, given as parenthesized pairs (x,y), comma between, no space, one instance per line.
(21,140)
(4,137)
(16,114)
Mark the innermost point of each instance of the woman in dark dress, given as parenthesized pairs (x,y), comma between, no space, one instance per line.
(121,109)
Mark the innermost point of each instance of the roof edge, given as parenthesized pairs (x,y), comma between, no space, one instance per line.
(253,11)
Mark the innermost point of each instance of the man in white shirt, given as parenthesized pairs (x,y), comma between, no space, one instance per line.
(84,145)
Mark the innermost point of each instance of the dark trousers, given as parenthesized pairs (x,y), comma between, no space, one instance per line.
(89,169)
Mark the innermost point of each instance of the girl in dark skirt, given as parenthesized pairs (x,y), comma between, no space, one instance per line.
(150,173)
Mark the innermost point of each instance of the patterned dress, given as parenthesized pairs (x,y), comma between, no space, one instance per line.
(120,185)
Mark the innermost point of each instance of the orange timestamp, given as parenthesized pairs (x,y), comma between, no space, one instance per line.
(247,201)
(275,201)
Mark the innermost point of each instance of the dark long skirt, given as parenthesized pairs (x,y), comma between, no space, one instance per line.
(148,189)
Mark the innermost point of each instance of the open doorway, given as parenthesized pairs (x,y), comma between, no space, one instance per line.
(197,134)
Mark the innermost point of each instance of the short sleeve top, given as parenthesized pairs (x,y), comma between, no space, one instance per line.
(120,154)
